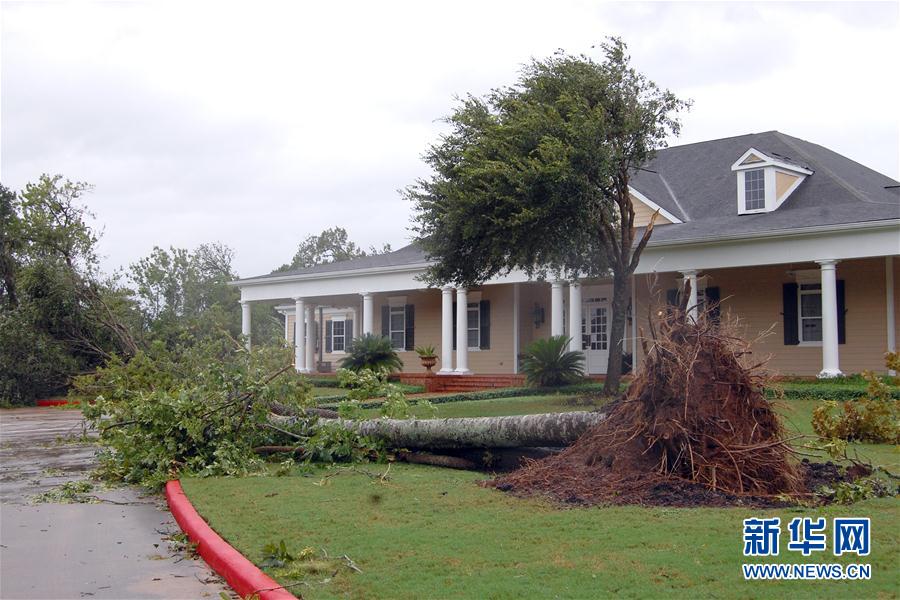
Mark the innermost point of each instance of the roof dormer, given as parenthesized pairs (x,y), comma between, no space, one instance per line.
(765,181)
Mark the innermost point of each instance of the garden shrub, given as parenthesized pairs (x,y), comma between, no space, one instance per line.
(875,418)
(373,352)
(549,363)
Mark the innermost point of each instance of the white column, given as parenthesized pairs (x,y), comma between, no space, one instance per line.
(889,300)
(446,330)
(557,327)
(245,322)
(462,332)
(515,320)
(691,277)
(575,317)
(310,338)
(287,330)
(299,338)
(368,324)
(830,361)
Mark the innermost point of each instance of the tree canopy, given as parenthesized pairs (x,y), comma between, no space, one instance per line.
(535,176)
(332,245)
(58,317)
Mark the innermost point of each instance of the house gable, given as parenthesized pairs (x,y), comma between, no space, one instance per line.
(644,209)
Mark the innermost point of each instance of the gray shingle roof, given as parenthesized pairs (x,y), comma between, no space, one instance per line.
(408,255)
(695,183)
(839,190)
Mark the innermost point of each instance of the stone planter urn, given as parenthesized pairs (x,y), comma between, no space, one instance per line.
(428,362)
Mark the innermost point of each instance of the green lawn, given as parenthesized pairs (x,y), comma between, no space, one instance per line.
(329,391)
(428,532)
(433,533)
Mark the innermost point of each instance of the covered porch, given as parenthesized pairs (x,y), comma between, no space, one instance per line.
(497,322)
(824,318)
(827,296)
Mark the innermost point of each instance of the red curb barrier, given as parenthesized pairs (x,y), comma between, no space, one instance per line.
(55,402)
(242,575)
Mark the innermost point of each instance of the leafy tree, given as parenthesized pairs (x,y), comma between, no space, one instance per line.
(10,242)
(332,245)
(185,293)
(180,284)
(54,223)
(59,317)
(536,176)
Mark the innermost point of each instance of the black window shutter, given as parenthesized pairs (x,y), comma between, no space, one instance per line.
(328,330)
(410,326)
(712,302)
(454,325)
(672,297)
(841,312)
(348,332)
(316,331)
(484,309)
(386,321)
(789,310)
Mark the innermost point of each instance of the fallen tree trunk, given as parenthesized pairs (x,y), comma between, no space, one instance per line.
(266,450)
(283,409)
(438,460)
(552,429)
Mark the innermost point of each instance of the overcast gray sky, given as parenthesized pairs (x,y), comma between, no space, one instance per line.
(259,123)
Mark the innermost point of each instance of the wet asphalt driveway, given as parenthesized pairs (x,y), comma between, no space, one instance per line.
(114,548)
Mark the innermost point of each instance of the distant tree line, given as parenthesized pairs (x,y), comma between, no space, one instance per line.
(61,316)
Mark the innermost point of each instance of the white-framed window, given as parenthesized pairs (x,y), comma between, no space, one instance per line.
(765,182)
(397,327)
(754,189)
(594,329)
(338,335)
(809,297)
(473,326)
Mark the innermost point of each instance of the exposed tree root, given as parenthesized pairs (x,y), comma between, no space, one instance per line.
(694,422)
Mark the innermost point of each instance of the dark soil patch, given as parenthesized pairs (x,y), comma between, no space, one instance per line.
(675,492)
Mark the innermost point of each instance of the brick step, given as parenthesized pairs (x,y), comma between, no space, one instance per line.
(477,384)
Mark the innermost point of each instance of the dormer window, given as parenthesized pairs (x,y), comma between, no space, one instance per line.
(765,181)
(755,189)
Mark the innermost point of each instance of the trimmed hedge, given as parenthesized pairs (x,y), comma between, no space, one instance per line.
(822,391)
(568,390)
(324,382)
(800,390)
(332,382)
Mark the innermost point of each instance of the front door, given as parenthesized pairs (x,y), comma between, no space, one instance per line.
(595,336)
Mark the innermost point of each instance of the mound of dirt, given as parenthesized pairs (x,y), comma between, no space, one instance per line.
(693,428)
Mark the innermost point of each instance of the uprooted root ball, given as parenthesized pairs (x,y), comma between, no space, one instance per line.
(694,424)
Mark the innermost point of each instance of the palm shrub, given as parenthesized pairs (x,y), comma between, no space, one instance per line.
(548,362)
(372,352)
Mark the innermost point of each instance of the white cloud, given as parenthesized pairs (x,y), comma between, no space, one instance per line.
(260,123)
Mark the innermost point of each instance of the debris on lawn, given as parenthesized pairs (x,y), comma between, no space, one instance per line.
(694,428)
(299,567)
(70,492)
